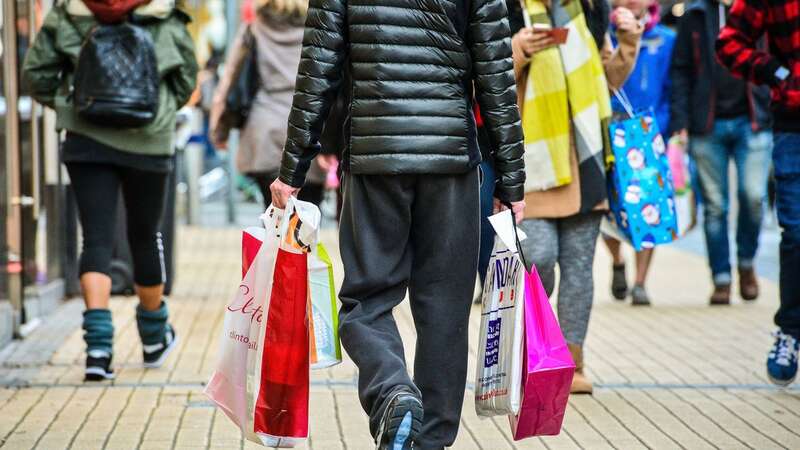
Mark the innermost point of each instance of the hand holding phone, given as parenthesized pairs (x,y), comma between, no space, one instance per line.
(624,20)
(558,35)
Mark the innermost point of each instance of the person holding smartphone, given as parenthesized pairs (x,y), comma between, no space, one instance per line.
(562,220)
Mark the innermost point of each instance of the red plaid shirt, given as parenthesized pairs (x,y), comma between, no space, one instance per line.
(737,48)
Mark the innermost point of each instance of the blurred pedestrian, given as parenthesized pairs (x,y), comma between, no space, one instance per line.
(647,88)
(277,36)
(103,160)
(778,68)
(410,220)
(564,145)
(724,118)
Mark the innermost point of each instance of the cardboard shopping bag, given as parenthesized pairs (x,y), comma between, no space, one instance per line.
(261,380)
(640,187)
(548,367)
(497,383)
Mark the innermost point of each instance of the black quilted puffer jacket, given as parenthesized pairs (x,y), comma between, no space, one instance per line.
(414,67)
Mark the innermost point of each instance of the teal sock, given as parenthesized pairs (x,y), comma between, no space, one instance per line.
(98,330)
(152,324)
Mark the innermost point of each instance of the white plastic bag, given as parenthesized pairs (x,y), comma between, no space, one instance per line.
(498,382)
(237,380)
(326,350)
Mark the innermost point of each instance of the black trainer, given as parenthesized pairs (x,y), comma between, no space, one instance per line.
(154,355)
(98,366)
(619,285)
(401,422)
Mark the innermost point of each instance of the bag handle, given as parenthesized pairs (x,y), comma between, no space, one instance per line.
(624,101)
(516,235)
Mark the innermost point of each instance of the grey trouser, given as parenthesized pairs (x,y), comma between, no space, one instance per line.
(570,242)
(417,233)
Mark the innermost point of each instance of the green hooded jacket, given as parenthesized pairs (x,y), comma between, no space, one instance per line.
(47,71)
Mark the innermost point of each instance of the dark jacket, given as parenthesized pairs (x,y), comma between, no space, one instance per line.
(694,66)
(413,65)
(737,48)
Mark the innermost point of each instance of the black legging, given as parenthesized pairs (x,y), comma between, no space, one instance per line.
(97,188)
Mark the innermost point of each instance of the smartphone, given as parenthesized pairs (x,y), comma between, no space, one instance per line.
(559,35)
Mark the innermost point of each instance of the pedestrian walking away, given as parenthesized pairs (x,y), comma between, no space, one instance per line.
(273,40)
(116,149)
(723,118)
(410,218)
(778,68)
(647,88)
(564,158)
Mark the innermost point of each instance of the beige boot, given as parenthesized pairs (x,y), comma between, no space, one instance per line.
(580,382)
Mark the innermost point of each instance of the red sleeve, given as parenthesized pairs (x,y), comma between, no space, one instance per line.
(736,46)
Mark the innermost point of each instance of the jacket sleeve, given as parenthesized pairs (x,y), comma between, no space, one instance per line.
(738,41)
(619,62)
(184,79)
(218,130)
(681,75)
(493,68)
(44,65)
(318,78)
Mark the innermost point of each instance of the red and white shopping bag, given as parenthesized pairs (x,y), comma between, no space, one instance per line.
(262,378)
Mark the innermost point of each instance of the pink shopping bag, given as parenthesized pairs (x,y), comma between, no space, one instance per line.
(547,367)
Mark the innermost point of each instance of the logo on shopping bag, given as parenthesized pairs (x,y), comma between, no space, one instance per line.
(248,306)
(299,236)
(505,273)
(492,353)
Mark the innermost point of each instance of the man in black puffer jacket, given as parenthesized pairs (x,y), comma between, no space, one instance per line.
(410,215)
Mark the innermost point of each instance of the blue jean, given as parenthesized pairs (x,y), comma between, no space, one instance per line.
(732,139)
(786,159)
(487,206)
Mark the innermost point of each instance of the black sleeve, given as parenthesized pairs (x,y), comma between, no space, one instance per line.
(318,78)
(681,74)
(496,92)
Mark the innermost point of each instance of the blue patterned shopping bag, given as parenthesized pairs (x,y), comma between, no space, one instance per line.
(640,187)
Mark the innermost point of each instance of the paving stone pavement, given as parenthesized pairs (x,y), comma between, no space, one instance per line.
(677,375)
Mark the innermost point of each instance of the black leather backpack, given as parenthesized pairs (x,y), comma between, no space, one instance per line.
(116,79)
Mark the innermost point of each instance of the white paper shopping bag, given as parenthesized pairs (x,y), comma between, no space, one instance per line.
(499,372)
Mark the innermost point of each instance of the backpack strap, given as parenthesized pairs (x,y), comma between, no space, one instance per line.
(71,21)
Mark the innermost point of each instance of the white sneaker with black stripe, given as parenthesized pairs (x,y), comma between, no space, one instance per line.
(154,355)
(98,366)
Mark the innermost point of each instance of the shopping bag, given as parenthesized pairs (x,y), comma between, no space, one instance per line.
(548,367)
(261,381)
(640,188)
(499,368)
(680,165)
(326,351)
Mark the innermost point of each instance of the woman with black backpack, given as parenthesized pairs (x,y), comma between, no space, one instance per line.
(116,72)
(263,60)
